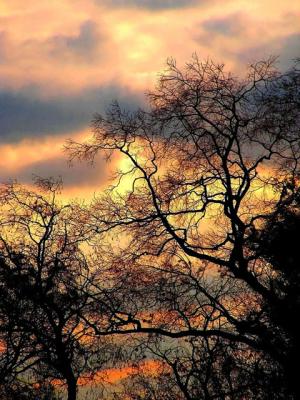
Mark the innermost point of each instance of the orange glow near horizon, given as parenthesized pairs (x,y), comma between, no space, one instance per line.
(112,376)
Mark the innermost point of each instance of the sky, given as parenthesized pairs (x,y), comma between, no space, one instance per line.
(61,61)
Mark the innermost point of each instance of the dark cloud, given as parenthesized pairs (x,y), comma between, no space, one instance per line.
(25,114)
(227,26)
(148,4)
(84,45)
(290,49)
(79,174)
(286,48)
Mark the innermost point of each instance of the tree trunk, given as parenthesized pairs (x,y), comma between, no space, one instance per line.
(72,387)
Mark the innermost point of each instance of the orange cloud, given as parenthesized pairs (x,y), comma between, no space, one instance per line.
(130,45)
(47,158)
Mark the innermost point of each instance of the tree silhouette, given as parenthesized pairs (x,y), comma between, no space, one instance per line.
(277,243)
(208,165)
(22,391)
(44,277)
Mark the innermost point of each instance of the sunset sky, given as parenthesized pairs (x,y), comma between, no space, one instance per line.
(63,60)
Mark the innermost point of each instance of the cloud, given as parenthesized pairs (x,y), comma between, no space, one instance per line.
(148,4)
(290,49)
(227,26)
(24,113)
(75,44)
(286,48)
(84,45)
(3,47)
(79,174)
(47,159)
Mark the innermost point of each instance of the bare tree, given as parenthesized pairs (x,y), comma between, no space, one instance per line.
(15,350)
(194,368)
(208,165)
(44,279)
